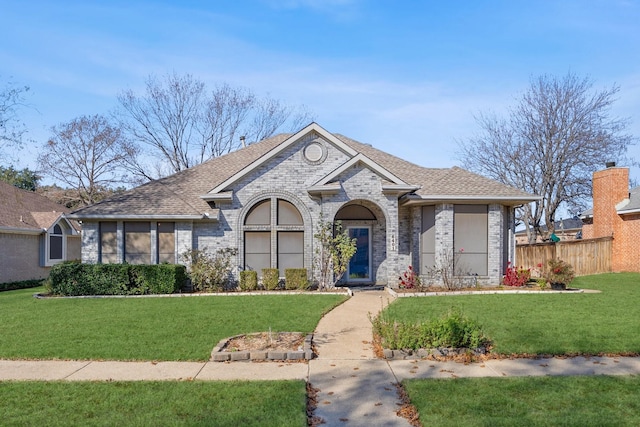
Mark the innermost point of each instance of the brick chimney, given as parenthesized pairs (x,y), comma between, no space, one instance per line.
(610,187)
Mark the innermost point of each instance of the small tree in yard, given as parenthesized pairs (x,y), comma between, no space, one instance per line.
(210,271)
(333,252)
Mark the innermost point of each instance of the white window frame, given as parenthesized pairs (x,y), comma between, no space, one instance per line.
(48,261)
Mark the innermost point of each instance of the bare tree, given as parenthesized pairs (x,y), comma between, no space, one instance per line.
(86,154)
(224,115)
(183,125)
(164,119)
(12,99)
(550,143)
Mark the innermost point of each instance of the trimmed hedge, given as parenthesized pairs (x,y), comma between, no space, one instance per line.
(249,280)
(23,284)
(74,279)
(270,278)
(296,278)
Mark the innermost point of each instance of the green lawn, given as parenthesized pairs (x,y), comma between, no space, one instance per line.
(167,403)
(585,323)
(527,401)
(145,328)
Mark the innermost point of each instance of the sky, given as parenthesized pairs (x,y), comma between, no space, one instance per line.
(408,77)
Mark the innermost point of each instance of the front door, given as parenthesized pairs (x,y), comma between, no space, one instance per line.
(359,269)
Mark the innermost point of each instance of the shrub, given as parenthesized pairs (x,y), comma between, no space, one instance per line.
(249,280)
(270,278)
(210,271)
(410,280)
(559,271)
(451,330)
(296,278)
(74,279)
(158,279)
(23,284)
(516,276)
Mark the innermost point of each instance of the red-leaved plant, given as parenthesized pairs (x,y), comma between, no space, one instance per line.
(516,276)
(409,279)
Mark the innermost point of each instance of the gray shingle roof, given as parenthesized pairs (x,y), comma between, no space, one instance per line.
(179,194)
(634,202)
(27,210)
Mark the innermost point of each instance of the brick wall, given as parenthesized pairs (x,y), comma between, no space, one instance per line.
(611,187)
(20,258)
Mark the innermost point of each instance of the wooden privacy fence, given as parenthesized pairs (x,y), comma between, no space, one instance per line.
(588,256)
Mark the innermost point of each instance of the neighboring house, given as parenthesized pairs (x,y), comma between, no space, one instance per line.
(615,213)
(268,199)
(34,235)
(565,229)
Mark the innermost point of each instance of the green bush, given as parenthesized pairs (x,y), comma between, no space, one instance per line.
(23,284)
(210,271)
(74,279)
(270,278)
(451,330)
(296,278)
(249,280)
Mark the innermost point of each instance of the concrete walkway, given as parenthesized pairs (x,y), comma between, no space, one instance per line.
(354,388)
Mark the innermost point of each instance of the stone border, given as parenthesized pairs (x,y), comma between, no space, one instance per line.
(395,294)
(218,354)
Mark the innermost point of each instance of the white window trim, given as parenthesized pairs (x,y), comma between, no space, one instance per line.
(48,261)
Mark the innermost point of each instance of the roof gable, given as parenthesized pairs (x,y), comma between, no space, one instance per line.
(22,209)
(293,139)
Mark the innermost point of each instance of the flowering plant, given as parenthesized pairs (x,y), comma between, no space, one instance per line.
(409,279)
(516,276)
(559,271)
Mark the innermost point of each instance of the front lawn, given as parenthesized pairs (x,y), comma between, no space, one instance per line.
(181,328)
(527,401)
(217,403)
(571,323)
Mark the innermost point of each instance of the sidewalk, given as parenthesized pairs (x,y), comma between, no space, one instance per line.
(354,388)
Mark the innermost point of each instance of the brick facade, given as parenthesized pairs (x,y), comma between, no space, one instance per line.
(611,192)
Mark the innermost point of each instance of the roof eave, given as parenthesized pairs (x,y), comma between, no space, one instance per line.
(225,196)
(213,215)
(399,190)
(17,230)
(629,211)
(327,189)
(415,199)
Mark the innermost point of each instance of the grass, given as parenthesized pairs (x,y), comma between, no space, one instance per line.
(527,401)
(574,323)
(146,328)
(256,403)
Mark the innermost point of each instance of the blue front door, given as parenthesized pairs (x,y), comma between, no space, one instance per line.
(360,265)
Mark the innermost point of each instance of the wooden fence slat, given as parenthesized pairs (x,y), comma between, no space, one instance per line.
(587,256)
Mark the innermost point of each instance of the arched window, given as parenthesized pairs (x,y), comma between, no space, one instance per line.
(273,236)
(56,237)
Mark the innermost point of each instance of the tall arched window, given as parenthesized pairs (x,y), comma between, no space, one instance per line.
(56,246)
(273,236)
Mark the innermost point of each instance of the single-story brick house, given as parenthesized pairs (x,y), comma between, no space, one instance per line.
(34,235)
(267,200)
(615,213)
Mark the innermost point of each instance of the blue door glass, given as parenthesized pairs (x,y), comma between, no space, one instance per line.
(360,265)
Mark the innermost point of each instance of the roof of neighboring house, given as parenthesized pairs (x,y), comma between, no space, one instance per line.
(181,193)
(574,223)
(626,206)
(26,210)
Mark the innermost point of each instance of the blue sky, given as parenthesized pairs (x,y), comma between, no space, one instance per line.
(405,76)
